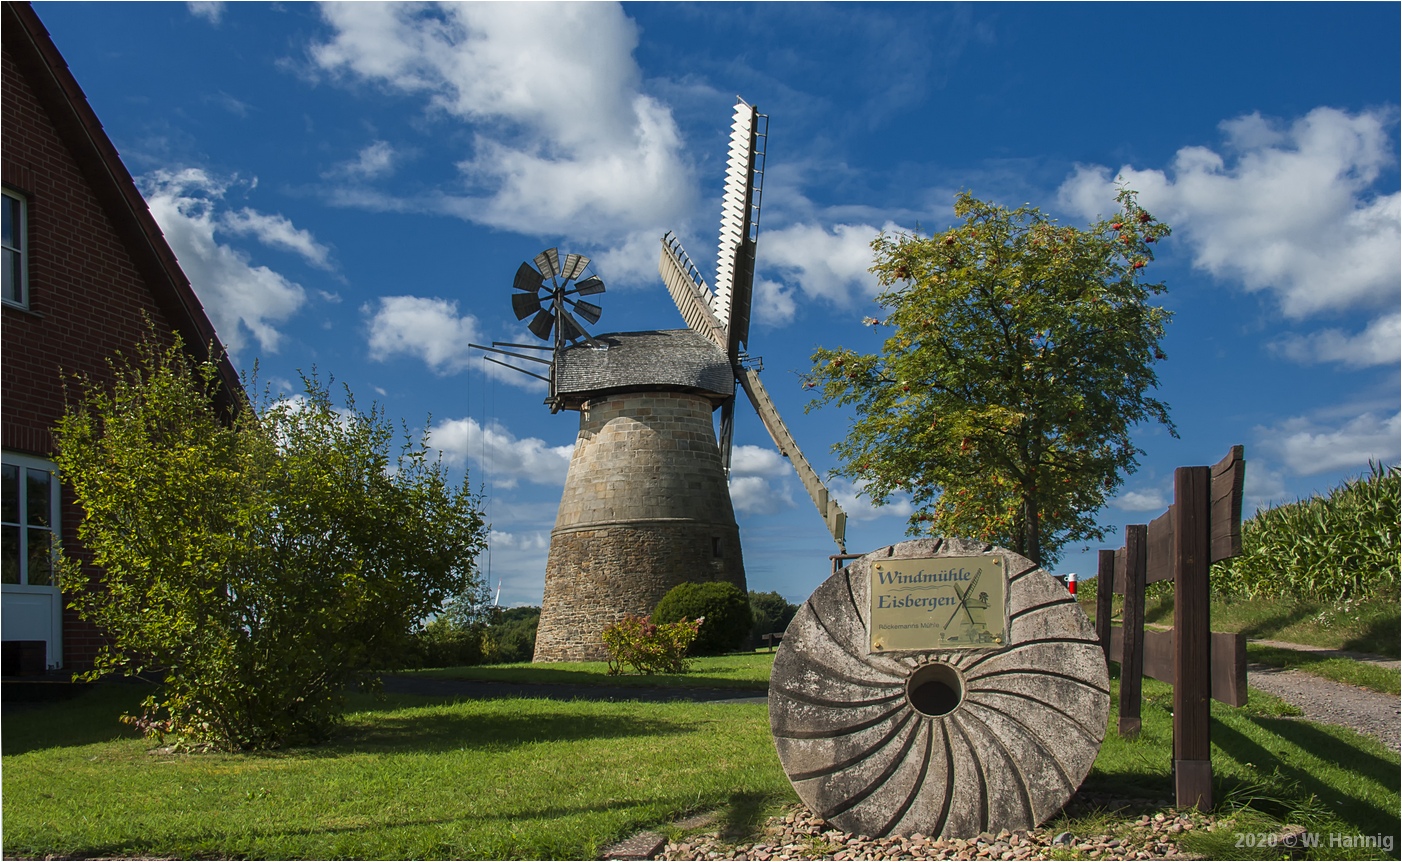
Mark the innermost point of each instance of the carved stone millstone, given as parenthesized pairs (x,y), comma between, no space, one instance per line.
(948,743)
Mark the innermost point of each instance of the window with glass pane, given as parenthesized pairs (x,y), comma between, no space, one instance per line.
(28,507)
(12,239)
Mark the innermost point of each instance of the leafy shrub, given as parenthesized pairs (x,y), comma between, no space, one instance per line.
(512,633)
(1333,548)
(649,647)
(257,566)
(468,634)
(725,608)
(772,613)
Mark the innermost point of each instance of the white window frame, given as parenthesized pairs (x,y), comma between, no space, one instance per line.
(22,233)
(35,612)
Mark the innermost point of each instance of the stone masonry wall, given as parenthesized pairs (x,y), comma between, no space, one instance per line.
(645,507)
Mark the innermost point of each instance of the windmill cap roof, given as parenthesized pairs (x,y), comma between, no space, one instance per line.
(666,359)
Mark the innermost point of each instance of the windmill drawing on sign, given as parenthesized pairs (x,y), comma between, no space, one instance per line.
(646,504)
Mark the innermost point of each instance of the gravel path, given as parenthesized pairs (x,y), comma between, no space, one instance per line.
(1369,712)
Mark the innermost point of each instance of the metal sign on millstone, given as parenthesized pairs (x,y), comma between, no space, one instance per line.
(938,686)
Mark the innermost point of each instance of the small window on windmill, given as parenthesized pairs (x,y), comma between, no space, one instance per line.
(715,546)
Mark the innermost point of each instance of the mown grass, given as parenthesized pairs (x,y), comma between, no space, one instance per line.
(414,777)
(749,671)
(407,778)
(1346,670)
(1269,769)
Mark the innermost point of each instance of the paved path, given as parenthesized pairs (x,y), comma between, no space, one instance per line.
(1371,713)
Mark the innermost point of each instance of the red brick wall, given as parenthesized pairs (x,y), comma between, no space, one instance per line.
(87,297)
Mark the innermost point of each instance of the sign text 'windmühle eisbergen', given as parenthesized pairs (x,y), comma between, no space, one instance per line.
(938,603)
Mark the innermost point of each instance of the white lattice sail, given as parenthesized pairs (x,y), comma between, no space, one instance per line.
(735,208)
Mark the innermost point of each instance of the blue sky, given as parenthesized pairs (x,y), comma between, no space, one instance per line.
(352,187)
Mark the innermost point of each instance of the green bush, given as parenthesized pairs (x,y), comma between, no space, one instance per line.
(725,608)
(467,633)
(772,613)
(648,647)
(1333,548)
(256,566)
(512,633)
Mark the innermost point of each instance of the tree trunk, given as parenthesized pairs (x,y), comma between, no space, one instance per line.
(1032,530)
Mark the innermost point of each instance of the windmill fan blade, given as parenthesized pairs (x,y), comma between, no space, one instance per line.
(542,323)
(571,328)
(587,310)
(524,304)
(589,286)
(527,278)
(574,265)
(548,262)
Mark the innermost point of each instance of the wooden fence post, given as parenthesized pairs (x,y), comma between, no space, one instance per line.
(1104,600)
(1192,545)
(1132,660)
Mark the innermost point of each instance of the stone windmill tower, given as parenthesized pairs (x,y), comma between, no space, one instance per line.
(646,504)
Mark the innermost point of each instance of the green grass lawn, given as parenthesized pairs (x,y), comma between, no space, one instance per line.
(407,778)
(749,671)
(414,777)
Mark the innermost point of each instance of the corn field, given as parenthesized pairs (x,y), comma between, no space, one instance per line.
(1341,546)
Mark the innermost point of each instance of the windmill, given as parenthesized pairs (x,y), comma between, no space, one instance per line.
(722,315)
(646,503)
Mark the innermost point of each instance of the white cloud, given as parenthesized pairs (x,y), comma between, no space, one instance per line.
(279,232)
(757,480)
(860,508)
(1378,344)
(374,160)
(1309,446)
(241,299)
(747,460)
(503,458)
(823,263)
(1263,489)
(1292,209)
(1141,501)
(756,495)
(536,540)
(565,141)
(429,329)
(210,11)
(773,303)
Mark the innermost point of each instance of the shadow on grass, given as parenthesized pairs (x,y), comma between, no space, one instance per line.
(91,717)
(1360,813)
(1380,636)
(535,675)
(439,731)
(1272,625)
(744,815)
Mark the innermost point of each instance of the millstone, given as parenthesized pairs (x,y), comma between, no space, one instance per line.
(948,742)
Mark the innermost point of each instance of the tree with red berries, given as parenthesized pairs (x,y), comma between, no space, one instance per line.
(1021,358)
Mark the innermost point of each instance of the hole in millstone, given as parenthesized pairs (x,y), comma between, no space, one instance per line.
(934,689)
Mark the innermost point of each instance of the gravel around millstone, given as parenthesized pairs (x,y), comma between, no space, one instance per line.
(1148,831)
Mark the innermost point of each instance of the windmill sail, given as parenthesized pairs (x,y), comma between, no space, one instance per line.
(832,513)
(723,315)
(739,224)
(689,290)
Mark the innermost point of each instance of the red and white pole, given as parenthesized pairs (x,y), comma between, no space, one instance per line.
(1071,583)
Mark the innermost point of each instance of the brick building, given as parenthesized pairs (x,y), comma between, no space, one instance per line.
(84,265)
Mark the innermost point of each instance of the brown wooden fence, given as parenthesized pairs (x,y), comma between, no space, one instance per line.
(1201,527)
